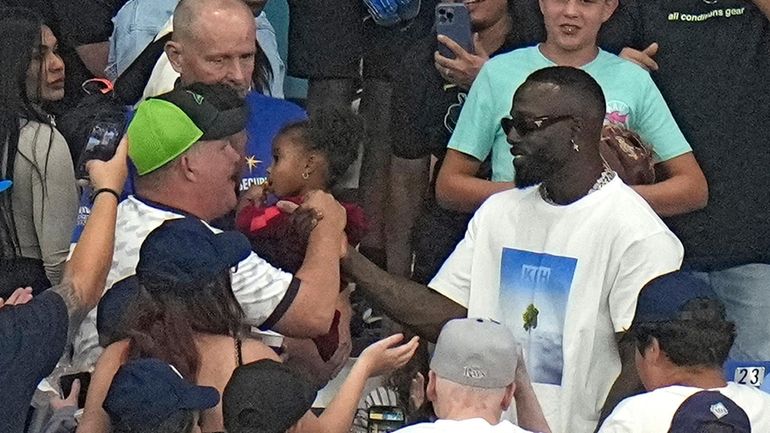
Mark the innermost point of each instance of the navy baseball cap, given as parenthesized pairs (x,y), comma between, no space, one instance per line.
(112,308)
(146,392)
(185,252)
(5,184)
(663,298)
(709,412)
(265,397)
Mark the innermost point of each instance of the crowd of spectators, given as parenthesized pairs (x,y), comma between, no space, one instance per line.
(558,226)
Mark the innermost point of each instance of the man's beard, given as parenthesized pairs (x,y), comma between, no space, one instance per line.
(533,170)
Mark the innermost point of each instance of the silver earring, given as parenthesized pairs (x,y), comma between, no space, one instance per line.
(574,145)
(305,175)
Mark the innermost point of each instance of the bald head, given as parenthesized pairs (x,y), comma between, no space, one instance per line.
(214,41)
(188,13)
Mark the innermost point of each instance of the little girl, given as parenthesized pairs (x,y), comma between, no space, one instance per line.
(308,155)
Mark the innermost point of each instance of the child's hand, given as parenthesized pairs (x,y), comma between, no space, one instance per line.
(71,400)
(382,357)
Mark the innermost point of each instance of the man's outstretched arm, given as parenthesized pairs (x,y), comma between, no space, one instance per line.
(411,304)
(86,271)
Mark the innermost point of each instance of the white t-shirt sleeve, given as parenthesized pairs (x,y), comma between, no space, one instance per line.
(259,288)
(644,260)
(453,280)
(621,420)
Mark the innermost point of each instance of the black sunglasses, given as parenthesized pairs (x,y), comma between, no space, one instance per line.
(524,126)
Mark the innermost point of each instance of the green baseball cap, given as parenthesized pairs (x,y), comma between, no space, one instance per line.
(165,126)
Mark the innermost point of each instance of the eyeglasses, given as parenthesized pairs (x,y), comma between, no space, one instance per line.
(524,126)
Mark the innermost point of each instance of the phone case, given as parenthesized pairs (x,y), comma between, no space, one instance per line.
(65,382)
(454,22)
(100,144)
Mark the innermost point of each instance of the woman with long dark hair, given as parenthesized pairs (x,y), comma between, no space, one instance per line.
(186,314)
(37,217)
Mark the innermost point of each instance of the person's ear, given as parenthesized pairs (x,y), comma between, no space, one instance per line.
(654,351)
(187,167)
(173,51)
(609,8)
(313,162)
(430,390)
(508,397)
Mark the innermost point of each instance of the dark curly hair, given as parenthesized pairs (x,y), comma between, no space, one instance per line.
(335,133)
(702,337)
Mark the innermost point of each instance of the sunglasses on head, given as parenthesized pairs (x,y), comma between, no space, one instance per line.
(524,126)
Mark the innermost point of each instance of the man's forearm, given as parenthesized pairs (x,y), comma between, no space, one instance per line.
(529,414)
(683,189)
(86,272)
(320,276)
(673,196)
(87,269)
(466,193)
(415,306)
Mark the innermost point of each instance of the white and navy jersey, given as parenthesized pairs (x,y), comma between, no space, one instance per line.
(263,291)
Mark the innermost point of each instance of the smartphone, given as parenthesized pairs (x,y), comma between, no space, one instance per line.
(384,419)
(102,142)
(454,22)
(65,382)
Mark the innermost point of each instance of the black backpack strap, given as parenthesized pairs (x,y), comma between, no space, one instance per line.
(129,86)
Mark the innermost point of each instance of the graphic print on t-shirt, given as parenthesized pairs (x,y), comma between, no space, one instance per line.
(534,288)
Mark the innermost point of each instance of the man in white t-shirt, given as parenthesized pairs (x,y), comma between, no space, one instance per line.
(682,339)
(473,374)
(561,264)
(186,146)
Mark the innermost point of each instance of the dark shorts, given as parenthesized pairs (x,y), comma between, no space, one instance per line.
(329,38)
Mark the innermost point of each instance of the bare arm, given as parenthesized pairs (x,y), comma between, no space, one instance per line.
(312,311)
(415,306)
(458,189)
(528,411)
(86,272)
(95,418)
(683,190)
(379,358)
(627,383)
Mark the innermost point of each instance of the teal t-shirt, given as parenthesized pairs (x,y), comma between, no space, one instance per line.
(631,95)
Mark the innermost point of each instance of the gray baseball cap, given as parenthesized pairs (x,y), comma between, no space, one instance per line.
(476,352)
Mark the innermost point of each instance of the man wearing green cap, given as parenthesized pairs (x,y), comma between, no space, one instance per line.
(186,146)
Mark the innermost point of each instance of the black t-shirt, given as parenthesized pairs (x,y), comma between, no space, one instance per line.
(714,69)
(32,339)
(425,113)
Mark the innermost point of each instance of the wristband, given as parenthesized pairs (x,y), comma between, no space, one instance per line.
(101,190)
